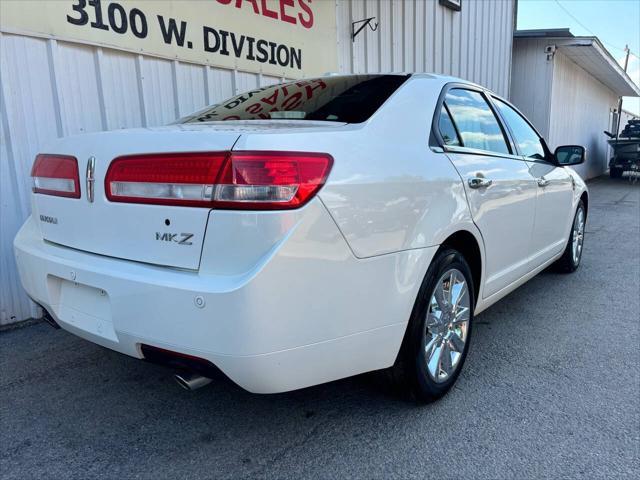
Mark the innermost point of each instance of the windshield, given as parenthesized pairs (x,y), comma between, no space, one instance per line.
(349,99)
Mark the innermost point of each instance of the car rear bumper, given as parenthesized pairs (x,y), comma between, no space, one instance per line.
(310,314)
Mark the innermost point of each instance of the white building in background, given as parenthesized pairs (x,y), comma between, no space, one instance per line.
(569,88)
(66,69)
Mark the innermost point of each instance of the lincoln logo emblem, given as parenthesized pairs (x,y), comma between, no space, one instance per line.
(91,166)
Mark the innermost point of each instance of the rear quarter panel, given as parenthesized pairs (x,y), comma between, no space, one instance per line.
(387,191)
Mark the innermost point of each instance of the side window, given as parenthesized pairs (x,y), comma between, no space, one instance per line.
(527,139)
(475,120)
(447,130)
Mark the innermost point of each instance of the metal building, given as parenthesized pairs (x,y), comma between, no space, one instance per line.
(53,85)
(569,88)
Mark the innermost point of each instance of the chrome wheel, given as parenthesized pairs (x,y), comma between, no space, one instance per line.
(447,325)
(578,236)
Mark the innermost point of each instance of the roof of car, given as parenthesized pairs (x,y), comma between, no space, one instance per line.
(443,79)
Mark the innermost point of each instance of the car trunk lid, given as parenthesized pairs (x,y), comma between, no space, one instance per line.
(156,234)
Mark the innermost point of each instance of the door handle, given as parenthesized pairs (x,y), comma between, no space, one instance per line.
(479,182)
(543,182)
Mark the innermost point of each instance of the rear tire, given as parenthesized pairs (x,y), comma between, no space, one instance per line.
(570,260)
(615,172)
(442,315)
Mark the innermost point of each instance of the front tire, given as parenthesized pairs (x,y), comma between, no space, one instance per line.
(570,260)
(436,342)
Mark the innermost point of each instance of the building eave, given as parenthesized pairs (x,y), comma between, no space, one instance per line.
(543,33)
(589,54)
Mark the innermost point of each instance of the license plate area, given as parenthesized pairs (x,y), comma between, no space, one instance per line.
(82,306)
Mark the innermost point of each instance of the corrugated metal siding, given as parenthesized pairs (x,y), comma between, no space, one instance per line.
(580,111)
(531,78)
(50,89)
(424,36)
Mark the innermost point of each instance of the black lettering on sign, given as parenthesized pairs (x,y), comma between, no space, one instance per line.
(272,57)
(296,58)
(283,55)
(250,56)
(79,7)
(119,25)
(223,49)
(99,23)
(118,20)
(263,54)
(237,46)
(209,35)
(138,22)
(121,20)
(218,41)
(170,31)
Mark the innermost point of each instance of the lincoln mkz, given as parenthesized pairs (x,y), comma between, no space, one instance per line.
(303,232)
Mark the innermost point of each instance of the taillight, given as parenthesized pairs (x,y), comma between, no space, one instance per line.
(56,175)
(165,179)
(227,180)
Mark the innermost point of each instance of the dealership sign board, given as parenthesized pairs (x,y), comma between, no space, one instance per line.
(288,38)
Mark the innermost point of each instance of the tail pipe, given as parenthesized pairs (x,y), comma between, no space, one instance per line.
(191,381)
(192,372)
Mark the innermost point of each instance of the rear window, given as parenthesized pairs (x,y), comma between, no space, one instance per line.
(349,99)
(474,119)
(447,129)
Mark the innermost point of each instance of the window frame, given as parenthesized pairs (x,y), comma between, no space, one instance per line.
(453,124)
(548,155)
(437,140)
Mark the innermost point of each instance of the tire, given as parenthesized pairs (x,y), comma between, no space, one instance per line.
(413,373)
(615,172)
(570,261)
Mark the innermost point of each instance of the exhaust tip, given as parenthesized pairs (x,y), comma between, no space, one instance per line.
(191,381)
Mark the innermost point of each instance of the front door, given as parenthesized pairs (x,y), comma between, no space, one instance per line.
(553,212)
(555,189)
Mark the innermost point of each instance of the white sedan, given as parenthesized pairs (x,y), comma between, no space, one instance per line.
(303,232)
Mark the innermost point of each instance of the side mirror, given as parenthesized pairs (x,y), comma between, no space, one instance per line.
(569,155)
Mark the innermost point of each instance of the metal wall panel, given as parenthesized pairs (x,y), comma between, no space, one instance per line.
(530,92)
(29,118)
(118,81)
(75,71)
(424,36)
(565,103)
(190,87)
(157,85)
(581,109)
(50,88)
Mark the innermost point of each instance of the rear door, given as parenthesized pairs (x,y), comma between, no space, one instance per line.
(500,189)
(555,188)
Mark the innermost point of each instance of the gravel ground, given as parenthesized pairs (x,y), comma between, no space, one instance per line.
(551,388)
